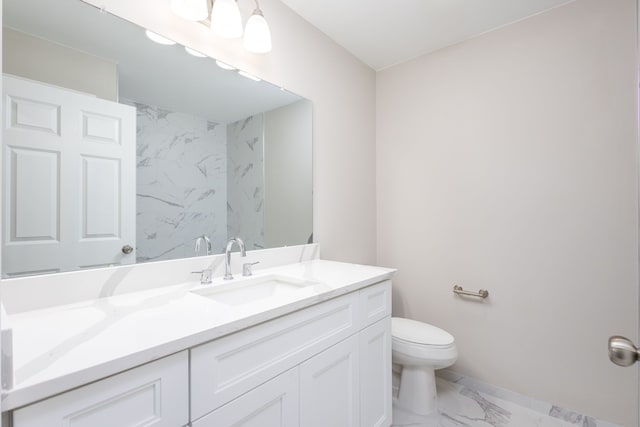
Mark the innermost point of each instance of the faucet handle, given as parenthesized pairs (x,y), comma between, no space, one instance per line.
(246,268)
(205,276)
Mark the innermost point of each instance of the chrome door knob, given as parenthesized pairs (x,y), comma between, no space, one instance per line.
(126,249)
(622,351)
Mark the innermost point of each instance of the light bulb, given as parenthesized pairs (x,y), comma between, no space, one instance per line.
(225,19)
(193,10)
(257,36)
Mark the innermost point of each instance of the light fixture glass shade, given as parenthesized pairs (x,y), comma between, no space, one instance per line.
(193,10)
(194,52)
(158,38)
(224,65)
(257,36)
(225,19)
(249,76)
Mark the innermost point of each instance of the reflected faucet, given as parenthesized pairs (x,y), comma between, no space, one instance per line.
(227,253)
(199,241)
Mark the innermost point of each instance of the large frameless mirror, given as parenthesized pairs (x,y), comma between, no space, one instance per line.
(119,149)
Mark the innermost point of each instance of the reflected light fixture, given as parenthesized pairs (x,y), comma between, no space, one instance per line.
(249,76)
(193,10)
(226,21)
(194,52)
(224,65)
(158,38)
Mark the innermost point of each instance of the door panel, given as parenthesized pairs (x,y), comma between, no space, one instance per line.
(69,180)
(35,191)
(101,197)
(100,128)
(34,115)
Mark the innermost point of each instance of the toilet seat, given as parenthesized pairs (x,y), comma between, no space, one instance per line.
(417,343)
(407,331)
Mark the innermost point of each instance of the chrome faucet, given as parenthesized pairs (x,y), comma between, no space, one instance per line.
(199,241)
(227,253)
(205,275)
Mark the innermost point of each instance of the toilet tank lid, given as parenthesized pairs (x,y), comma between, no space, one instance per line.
(419,332)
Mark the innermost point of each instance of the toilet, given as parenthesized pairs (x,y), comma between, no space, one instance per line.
(419,349)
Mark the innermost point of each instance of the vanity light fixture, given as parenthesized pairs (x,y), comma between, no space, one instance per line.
(192,10)
(257,36)
(158,38)
(194,52)
(226,21)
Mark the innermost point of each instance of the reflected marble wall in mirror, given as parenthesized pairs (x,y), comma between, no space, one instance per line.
(118,149)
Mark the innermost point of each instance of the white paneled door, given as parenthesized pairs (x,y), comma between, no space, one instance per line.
(69,180)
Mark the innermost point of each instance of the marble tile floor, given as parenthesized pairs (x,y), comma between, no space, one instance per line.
(461,403)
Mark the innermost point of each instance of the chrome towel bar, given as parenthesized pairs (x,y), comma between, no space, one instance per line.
(480,294)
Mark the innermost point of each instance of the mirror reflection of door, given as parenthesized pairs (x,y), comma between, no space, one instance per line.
(69,182)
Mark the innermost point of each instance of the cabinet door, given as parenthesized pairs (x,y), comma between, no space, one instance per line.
(329,387)
(153,395)
(375,374)
(224,369)
(273,404)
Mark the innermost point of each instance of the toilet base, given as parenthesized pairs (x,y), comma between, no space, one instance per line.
(402,417)
(417,392)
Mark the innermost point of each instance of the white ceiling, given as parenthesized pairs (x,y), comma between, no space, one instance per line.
(385,33)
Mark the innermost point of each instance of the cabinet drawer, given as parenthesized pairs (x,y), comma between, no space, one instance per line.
(273,404)
(375,303)
(227,367)
(153,395)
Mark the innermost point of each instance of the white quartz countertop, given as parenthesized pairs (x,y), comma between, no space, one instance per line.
(58,348)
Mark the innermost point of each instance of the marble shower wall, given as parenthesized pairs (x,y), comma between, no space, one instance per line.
(245,181)
(181,187)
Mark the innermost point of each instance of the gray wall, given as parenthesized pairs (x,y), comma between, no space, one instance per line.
(509,163)
(37,59)
(288,176)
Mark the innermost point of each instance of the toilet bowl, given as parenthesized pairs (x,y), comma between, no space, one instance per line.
(420,349)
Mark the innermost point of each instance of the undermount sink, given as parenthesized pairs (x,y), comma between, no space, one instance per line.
(240,292)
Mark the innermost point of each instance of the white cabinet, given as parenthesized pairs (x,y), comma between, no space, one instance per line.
(327,365)
(375,375)
(342,348)
(329,388)
(153,395)
(273,404)
(230,366)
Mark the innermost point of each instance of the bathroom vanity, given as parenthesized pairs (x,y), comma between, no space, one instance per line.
(302,344)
